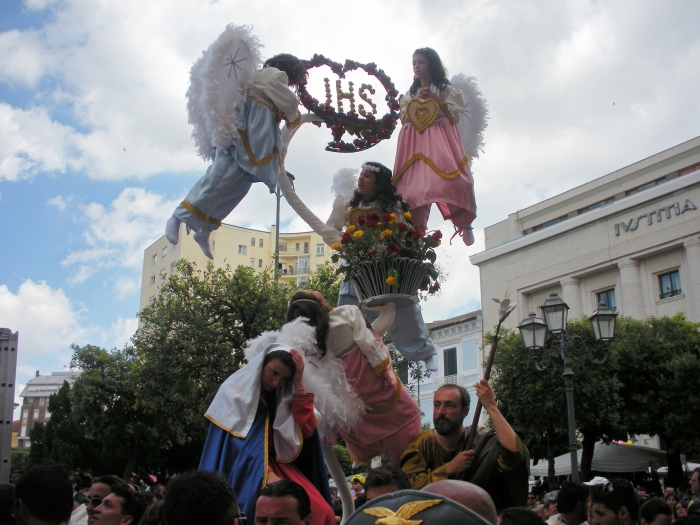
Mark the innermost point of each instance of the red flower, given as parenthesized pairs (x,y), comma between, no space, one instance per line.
(370,223)
(371,253)
(361,220)
(437,235)
(393,248)
(417,234)
(402,227)
(373,216)
(345,238)
(434,287)
(386,217)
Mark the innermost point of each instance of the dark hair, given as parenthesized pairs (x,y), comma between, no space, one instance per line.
(295,68)
(438,73)
(615,494)
(284,356)
(387,475)
(199,496)
(110,481)
(570,493)
(653,508)
(133,503)
(75,478)
(7,503)
(387,198)
(155,514)
(313,310)
(463,393)
(284,488)
(519,516)
(46,491)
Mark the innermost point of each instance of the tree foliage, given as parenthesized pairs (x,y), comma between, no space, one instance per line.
(325,280)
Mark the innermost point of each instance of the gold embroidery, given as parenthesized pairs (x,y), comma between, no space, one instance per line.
(200,214)
(267,428)
(301,444)
(381,366)
(224,427)
(438,171)
(346,351)
(263,103)
(295,123)
(383,409)
(354,213)
(256,162)
(422,113)
(401,516)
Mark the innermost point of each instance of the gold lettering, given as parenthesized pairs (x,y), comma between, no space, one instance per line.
(349,95)
(328,92)
(365,97)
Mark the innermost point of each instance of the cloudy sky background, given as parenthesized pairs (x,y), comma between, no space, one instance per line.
(95,149)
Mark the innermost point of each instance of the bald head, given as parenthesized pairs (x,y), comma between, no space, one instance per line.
(467,494)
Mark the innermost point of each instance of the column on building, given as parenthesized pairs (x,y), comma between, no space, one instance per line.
(692,288)
(571,293)
(631,281)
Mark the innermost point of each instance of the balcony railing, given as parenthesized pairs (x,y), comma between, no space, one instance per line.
(298,271)
(456,379)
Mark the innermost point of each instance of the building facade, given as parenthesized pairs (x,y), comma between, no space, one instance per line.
(299,253)
(630,238)
(459,358)
(35,401)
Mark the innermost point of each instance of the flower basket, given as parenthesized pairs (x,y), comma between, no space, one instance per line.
(370,278)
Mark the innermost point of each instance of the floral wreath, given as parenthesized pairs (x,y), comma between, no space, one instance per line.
(368,129)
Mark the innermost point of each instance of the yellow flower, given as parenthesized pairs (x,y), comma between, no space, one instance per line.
(407,215)
(357,234)
(385,233)
(335,246)
(350,229)
(437,243)
(391,281)
(393,217)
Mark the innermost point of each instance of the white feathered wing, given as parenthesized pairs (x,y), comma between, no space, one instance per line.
(473,123)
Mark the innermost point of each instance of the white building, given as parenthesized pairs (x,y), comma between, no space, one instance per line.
(35,404)
(458,342)
(630,238)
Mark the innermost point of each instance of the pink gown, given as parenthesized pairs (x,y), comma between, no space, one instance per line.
(431,166)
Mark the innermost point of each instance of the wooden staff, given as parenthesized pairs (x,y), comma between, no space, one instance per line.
(487,375)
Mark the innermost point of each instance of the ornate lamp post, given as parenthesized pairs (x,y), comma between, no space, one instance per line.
(534,331)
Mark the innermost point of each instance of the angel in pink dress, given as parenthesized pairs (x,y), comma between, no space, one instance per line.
(431,164)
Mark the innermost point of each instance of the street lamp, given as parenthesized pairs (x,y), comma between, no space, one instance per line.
(277,226)
(534,331)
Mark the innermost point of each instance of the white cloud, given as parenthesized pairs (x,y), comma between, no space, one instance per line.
(121,330)
(117,234)
(59,202)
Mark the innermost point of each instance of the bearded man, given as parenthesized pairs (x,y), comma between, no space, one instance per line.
(498,462)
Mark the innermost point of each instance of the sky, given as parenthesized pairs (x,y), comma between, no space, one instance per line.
(95,148)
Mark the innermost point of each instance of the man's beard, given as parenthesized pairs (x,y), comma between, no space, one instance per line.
(445,427)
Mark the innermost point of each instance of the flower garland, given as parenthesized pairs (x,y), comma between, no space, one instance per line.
(382,237)
(368,129)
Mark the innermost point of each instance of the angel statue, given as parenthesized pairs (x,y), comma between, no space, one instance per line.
(236,109)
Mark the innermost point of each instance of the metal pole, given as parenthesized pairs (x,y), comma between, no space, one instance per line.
(568,376)
(277,236)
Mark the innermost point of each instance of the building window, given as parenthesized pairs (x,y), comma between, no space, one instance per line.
(36,413)
(165,252)
(550,223)
(282,247)
(608,297)
(670,284)
(306,247)
(153,279)
(154,259)
(24,431)
(596,205)
(42,400)
(47,415)
(450,360)
(260,243)
(151,299)
(25,414)
(319,250)
(259,263)
(297,247)
(402,371)
(173,267)
(302,280)
(252,242)
(252,261)
(242,250)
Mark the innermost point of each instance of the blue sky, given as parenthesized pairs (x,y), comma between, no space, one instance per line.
(95,149)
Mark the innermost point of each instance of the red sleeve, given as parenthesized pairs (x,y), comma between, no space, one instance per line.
(303,413)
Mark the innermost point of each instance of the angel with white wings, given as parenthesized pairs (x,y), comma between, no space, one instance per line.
(442,131)
(236,109)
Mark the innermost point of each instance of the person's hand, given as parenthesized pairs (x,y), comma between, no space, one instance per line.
(389,378)
(299,375)
(460,462)
(424,93)
(485,394)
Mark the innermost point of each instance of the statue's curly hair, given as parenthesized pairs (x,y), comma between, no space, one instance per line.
(387,198)
(295,68)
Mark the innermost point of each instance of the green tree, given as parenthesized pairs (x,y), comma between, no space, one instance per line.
(105,406)
(325,280)
(658,364)
(36,438)
(191,338)
(19,462)
(63,438)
